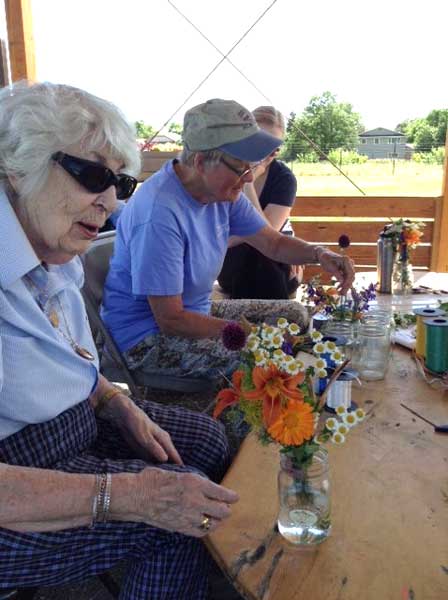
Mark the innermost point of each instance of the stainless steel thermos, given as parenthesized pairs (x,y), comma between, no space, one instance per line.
(385,263)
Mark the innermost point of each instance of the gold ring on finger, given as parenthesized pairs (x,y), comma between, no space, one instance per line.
(206,522)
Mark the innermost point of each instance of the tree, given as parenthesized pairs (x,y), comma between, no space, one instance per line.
(426,133)
(329,124)
(438,119)
(175,128)
(144,131)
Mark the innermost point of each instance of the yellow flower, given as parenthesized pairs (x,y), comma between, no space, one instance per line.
(294,425)
(282,323)
(330,346)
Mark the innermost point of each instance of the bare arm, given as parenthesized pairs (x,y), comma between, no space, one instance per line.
(292,250)
(173,319)
(44,500)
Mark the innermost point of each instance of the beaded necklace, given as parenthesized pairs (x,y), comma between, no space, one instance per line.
(54,319)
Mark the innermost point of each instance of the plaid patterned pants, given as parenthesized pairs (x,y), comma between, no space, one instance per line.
(162,565)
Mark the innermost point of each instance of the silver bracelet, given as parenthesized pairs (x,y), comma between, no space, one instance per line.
(101,500)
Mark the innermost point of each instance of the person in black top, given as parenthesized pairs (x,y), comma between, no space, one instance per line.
(246,273)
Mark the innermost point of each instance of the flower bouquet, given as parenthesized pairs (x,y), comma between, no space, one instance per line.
(405,236)
(274,389)
(327,300)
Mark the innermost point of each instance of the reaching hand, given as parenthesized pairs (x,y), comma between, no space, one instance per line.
(341,267)
(182,501)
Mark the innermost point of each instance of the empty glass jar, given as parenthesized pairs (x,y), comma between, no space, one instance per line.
(373,349)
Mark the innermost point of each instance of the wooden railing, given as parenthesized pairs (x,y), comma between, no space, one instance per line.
(152,161)
(324,219)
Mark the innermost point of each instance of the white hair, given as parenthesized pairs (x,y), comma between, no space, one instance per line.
(37,120)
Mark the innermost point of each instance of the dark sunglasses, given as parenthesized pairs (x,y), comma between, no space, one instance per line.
(95,177)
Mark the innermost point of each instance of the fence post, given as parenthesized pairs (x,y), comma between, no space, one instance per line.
(439,256)
(20,39)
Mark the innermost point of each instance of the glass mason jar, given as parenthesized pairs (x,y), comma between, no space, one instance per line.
(402,277)
(342,333)
(373,349)
(304,494)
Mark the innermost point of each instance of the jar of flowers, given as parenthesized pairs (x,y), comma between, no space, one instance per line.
(274,390)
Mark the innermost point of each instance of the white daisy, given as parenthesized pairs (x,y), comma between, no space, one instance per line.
(343,429)
(321,373)
(320,363)
(330,346)
(341,411)
(350,419)
(291,368)
(300,365)
(252,344)
(360,414)
(282,323)
(319,348)
(316,336)
(336,356)
(331,424)
(337,438)
(276,341)
(293,329)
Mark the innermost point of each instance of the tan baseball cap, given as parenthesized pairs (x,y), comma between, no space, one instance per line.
(228,126)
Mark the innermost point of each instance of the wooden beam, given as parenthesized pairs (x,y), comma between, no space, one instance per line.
(20,39)
(4,75)
(416,207)
(439,259)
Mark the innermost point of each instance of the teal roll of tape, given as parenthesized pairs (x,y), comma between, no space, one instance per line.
(436,331)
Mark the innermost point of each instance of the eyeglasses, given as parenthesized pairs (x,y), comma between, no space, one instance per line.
(240,172)
(94,176)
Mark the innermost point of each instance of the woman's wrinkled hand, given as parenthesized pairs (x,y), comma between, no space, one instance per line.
(145,437)
(181,501)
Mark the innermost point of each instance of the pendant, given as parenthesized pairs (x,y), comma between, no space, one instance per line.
(53,317)
(83,352)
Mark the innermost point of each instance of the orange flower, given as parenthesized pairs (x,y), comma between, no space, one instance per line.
(412,236)
(294,425)
(229,396)
(271,387)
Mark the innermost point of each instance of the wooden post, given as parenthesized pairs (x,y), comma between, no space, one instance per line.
(20,39)
(439,258)
(4,75)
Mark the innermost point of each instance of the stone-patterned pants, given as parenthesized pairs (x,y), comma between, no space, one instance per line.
(207,358)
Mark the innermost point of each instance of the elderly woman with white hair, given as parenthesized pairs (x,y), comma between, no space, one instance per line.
(88,477)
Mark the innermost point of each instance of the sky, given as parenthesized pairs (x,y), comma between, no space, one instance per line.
(387,58)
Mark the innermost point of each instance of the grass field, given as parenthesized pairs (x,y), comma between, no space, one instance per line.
(375,178)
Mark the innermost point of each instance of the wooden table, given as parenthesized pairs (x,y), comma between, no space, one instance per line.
(389,535)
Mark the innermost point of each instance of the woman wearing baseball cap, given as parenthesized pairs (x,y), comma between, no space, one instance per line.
(172,238)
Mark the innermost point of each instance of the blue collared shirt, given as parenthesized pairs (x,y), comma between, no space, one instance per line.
(40,374)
